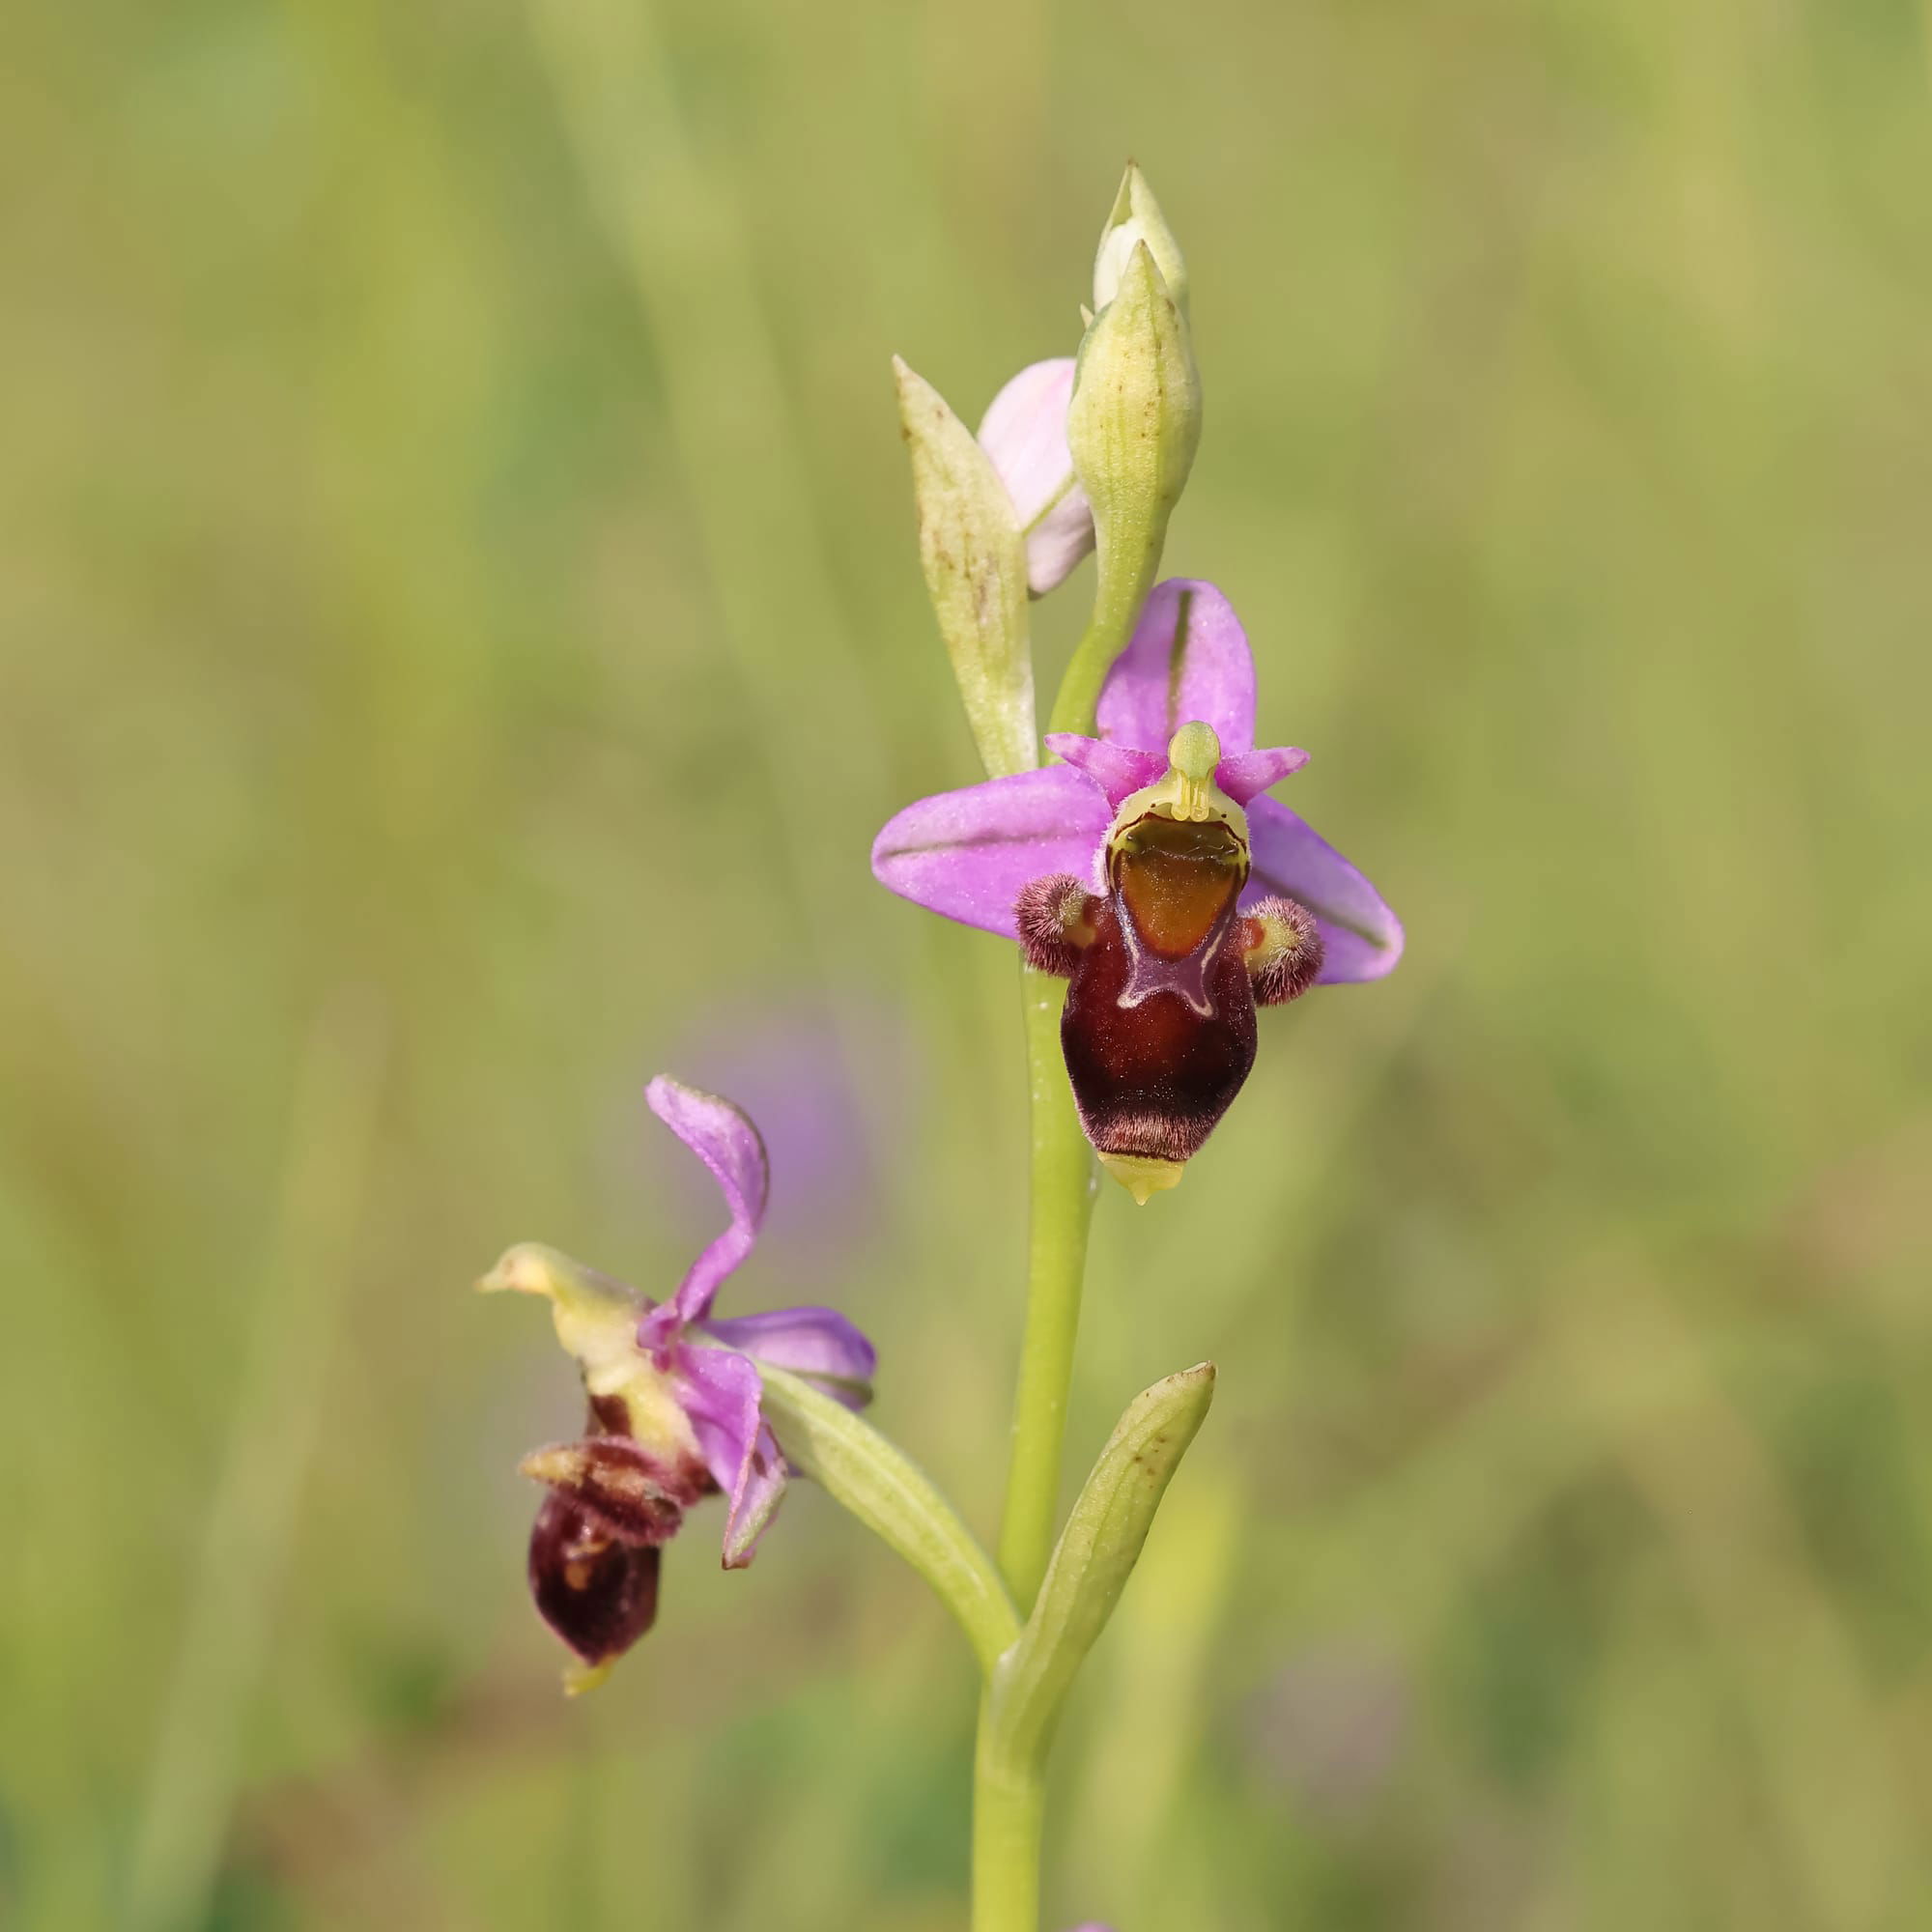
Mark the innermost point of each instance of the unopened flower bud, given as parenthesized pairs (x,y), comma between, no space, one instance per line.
(1136,218)
(1025,433)
(1133,427)
(975,558)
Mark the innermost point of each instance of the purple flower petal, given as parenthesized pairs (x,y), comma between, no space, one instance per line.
(818,1343)
(966,854)
(1248,774)
(1188,659)
(1025,434)
(784,1064)
(723,1396)
(726,1142)
(1363,937)
(1117,769)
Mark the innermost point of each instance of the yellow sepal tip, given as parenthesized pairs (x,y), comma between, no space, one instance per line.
(524,1269)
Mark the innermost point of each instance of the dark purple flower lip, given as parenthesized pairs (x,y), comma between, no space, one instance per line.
(599,1594)
(676,1402)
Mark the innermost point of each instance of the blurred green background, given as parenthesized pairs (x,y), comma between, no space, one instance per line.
(461,629)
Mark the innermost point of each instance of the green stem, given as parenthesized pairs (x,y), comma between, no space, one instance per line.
(1008,1804)
(1122,590)
(1008,1796)
(1062,1206)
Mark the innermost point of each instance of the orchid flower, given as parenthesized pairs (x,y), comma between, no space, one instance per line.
(1152,871)
(676,1402)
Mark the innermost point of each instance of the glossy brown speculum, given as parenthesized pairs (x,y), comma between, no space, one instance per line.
(1177,880)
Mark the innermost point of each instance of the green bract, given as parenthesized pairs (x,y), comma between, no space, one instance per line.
(973,554)
(1096,1553)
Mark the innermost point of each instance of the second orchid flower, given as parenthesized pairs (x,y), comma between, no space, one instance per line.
(676,1404)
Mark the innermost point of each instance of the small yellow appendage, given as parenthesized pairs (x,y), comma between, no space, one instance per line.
(1144,1176)
(1193,753)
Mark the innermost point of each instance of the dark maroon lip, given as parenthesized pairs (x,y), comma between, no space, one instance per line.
(1154,1077)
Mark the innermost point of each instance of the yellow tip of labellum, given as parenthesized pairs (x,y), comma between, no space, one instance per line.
(1141,1175)
(577,1678)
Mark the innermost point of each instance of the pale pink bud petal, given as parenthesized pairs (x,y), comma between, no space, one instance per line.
(1025,433)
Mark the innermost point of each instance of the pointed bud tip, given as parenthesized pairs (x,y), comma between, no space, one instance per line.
(914,393)
(1135,220)
(1142,262)
(1144,1176)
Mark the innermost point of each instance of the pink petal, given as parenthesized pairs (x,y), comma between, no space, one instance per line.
(726,1142)
(818,1343)
(1188,659)
(1117,769)
(723,1396)
(1247,773)
(1363,938)
(966,854)
(1025,434)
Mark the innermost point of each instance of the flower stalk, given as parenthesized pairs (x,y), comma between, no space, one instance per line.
(1008,1822)
(1063,1185)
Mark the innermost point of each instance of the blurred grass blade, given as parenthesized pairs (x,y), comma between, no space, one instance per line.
(757,500)
(220,1663)
(1096,1553)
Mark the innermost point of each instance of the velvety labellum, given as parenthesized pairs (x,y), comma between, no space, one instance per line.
(1159,1025)
(598,1593)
